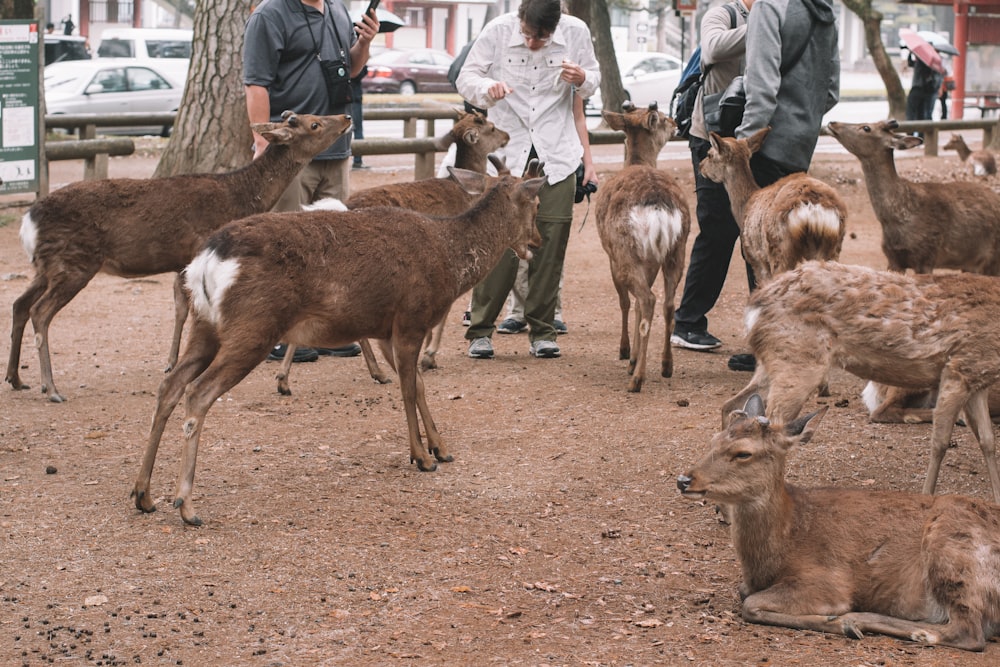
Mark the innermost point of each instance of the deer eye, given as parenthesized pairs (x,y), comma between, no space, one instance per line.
(742,456)
(866,128)
(315,125)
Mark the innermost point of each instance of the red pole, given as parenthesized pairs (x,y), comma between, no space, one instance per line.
(961,39)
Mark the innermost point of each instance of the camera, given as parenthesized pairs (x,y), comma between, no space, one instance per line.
(583,189)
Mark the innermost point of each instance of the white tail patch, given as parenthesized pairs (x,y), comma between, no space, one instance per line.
(208,277)
(870,397)
(979,169)
(329,204)
(822,220)
(750,317)
(656,230)
(29,235)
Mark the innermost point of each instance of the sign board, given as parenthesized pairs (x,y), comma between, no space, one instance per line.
(686,5)
(19,104)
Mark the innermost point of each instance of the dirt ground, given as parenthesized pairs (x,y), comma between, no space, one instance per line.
(556,537)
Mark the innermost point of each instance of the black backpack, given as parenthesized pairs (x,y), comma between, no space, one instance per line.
(692,77)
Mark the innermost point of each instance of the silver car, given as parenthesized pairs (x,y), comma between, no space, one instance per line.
(647,76)
(114,85)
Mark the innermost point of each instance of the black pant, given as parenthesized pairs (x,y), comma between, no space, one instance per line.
(713,248)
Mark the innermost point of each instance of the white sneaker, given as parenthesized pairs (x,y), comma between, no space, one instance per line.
(544,349)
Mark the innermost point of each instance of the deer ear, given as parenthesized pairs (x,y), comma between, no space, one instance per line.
(615,121)
(754,406)
(757,140)
(715,140)
(471,137)
(805,427)
(275,133)
(904,141)
(471,181)
(533,185)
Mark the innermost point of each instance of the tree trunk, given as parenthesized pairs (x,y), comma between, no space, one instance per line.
(212,132)
(872,19)
(596,15)
(17,9)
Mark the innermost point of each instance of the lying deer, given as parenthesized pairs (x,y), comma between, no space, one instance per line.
(337,285)
(140,227)
(643,221)
(910,331)
(915,567)
(925,226)
(474,138)
(982,162)
(901,405)
(797,218)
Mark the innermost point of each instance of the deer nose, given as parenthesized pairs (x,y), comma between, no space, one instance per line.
(683,482)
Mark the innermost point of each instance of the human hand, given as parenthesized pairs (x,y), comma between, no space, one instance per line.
(572,73)
(499,90)
(367,28)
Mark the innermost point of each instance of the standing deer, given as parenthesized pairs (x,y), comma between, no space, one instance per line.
(906,331)
(140,227)
(474,138)
(982,162)
(382,273)
(643,221)
(797,218)
(915,567)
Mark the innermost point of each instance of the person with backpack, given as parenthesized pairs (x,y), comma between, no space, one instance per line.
(722,46)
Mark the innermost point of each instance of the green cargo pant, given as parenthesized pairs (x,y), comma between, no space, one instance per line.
(554,219)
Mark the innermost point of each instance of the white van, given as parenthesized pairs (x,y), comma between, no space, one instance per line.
(143,43)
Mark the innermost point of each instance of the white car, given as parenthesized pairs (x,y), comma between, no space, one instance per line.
(114,85)
(647,76)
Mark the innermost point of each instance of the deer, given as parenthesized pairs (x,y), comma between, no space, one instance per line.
(897,329)
(140,227)
(903,405)
(797,218)
(847,561)
(475,139)
(982,162)
(925,226)
(643,221)
(336,287)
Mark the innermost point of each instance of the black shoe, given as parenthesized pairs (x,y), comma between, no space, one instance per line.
(742,362)
(560,326)
(301,354)
(359,165)
(695,340)
(351,350)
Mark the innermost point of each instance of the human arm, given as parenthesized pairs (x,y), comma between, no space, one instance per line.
(474,82)
(719,40)
(258,111)
(762,76)
(365,30)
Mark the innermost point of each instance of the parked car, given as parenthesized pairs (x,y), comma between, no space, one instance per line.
(112,85)
(145,43)
(65,47)
(408,71)
(647,76)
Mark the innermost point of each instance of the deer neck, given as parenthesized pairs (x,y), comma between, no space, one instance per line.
(740,185)
(887,191)
(641,152)
(466,158)
(760,531)
(479,237)
(963,151)
(258,186)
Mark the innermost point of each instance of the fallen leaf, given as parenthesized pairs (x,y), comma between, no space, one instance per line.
(649,623)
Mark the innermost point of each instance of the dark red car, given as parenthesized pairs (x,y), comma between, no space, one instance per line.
(408,71)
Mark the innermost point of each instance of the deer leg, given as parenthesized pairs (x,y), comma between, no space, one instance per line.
(625,304)
(180,315)
(285,370)
(977,411)
(230,365)
(952,397)
(670,281)
(645,307)
(22,311)
(201,349)
(792,381)
(372,363)
(61,291)
(956,633)
(432,344)
(405,353)
(435,444)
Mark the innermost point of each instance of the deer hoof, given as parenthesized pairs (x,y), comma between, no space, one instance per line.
(142,501)
(56,398)
(424,466)
(187,514)
(443,458)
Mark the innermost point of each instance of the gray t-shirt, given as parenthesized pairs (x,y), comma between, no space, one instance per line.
(279,53)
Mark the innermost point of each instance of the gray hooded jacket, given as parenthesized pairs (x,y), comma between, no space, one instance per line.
(793,105)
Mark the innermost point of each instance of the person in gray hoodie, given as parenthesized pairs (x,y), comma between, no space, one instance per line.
(790,96)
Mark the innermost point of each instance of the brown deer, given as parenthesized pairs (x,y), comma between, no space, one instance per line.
(474,138)
(140,227)
(643,221)
(925,226)
(337,285)
(797,218)
(981,163)
(915,567)
(900,405)
(903,330)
